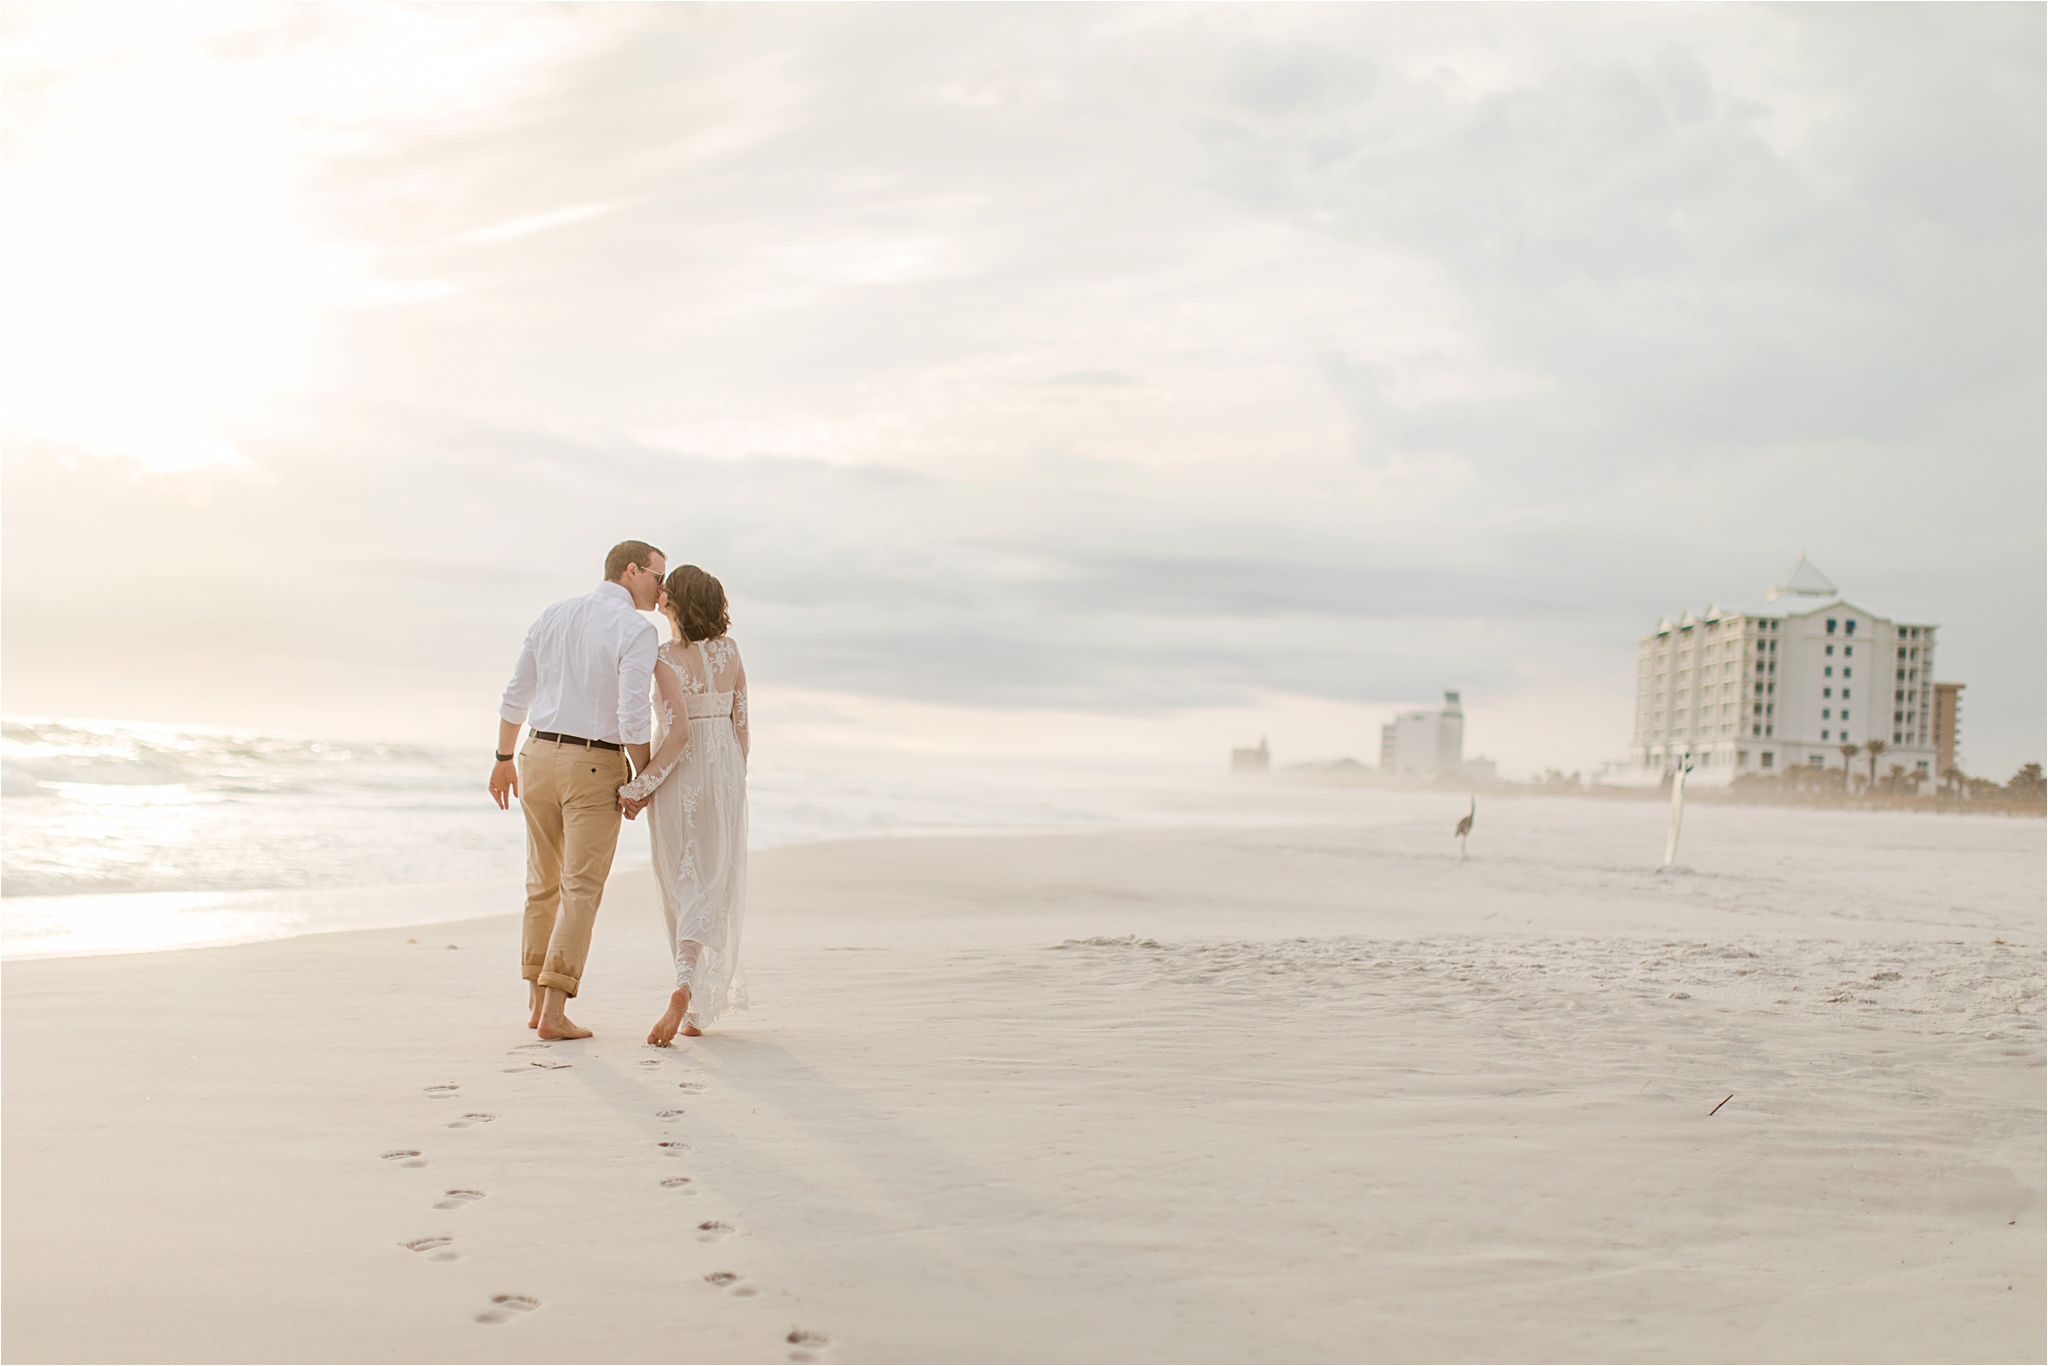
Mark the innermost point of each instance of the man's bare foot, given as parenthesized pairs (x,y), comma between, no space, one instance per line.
(534,997)
(664,1032)
(554,1024)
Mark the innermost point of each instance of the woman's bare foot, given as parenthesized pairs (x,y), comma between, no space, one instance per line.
(664,1032)
(691,1031)
(554,1024)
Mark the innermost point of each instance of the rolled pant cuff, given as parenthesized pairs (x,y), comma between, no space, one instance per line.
(556,981)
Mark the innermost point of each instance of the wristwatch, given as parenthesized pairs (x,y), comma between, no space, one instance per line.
(503,758)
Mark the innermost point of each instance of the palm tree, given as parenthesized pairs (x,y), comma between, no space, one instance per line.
(1875,747)
(1849,753)
(1953,776)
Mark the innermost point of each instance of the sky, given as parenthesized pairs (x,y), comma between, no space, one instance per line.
(1092,380)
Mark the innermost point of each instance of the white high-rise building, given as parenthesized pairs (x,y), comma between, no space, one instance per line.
(1789,681)
(1427,743)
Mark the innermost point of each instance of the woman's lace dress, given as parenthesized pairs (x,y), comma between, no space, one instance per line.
(698,819)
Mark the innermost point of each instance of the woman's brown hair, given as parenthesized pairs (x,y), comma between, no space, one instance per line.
(696,603)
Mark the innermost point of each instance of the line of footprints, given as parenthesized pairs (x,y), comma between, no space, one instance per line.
(804,1345)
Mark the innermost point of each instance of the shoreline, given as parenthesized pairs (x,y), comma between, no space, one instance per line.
(185,920)
(1722,794)
(290,912)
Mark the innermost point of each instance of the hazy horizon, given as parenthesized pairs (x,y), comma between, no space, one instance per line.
(1118,381)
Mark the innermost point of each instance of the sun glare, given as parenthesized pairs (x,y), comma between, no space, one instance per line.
(162,280)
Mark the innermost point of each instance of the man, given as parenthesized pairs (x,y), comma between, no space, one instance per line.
(582,681)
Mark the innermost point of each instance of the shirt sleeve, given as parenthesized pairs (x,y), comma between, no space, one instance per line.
(636,679)
(525,679)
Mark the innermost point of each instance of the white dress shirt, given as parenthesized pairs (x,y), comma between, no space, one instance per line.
(586,669)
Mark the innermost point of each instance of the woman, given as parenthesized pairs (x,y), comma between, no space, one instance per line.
(695,789)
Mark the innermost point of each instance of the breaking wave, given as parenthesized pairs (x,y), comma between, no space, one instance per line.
(99,807)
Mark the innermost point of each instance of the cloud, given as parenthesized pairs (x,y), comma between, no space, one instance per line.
(1674,285)
(1108,359)
(528,225)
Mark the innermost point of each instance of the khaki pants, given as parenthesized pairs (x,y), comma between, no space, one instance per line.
(570,795)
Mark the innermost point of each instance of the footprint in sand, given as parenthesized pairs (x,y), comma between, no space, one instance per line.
(713,1231)
(406,1157)
(521,1048)
(675,1149)
(730,1280)
(457,1199)
(445,1091)
(650,1062)
(690,1085)
(436,1249)
(668,1114)
(671,1183)
(807,1344)
(505,1308)
(468,1120)
(551,1066)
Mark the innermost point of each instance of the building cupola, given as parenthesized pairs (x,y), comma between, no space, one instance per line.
(1802,580)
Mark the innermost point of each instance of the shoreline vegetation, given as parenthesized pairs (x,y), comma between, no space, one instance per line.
(2024,794)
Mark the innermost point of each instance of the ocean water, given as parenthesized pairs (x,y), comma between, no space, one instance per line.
(118,836)
(104,807)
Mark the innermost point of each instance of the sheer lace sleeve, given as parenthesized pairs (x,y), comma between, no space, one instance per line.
(739,704)
(675,721)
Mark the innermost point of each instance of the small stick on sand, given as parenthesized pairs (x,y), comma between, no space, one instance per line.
(1717,1109)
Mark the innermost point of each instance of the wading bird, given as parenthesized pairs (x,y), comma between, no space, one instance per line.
(1465,827)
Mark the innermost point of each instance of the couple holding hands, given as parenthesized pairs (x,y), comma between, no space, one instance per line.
(593,754)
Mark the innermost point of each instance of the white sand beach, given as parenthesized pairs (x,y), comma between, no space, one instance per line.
(1307,1094)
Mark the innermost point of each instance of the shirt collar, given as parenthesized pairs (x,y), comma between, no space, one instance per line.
(616,590)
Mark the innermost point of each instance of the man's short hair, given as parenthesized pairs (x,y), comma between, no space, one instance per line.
(639,554)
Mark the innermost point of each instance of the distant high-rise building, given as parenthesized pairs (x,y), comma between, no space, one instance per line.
(1790,681)
(1251,760)
(1948,718)
(1427,743)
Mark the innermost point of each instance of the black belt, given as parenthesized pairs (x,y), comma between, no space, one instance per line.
(575,740)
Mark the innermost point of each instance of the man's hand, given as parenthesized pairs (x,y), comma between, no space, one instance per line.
(504,783)
(505,777)
(631,808)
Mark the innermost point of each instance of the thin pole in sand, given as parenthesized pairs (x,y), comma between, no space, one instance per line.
(1677,812)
